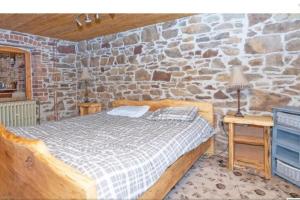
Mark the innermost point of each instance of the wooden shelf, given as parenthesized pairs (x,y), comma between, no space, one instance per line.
(6,93)
(243,139)
(7,90)
(252,120)
(249,163)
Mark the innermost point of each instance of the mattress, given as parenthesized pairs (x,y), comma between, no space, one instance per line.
(124,155)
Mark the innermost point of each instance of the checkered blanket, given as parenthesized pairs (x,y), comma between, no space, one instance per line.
(124,155)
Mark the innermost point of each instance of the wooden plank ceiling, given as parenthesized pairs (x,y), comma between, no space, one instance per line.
(63,26)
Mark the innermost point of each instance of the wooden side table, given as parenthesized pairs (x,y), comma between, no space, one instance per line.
(89,108)
(251,148)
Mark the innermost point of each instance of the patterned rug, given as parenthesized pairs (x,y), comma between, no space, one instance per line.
(209,178)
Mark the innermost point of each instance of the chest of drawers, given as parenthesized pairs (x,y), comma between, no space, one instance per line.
(286,144)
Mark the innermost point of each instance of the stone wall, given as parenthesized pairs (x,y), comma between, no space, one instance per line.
(188,58)
(53,71)
(191,58)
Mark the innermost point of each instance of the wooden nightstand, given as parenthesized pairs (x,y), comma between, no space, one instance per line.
(249,142)
(89,108)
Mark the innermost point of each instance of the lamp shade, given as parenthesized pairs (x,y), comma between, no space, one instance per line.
(238,79)
(85,75)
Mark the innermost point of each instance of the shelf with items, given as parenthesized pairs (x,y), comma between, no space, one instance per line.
(15,74)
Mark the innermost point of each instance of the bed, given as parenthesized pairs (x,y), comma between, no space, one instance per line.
(30,169)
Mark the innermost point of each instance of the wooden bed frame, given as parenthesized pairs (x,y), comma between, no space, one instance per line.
(29,171)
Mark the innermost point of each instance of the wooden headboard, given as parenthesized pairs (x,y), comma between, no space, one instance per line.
(206,110)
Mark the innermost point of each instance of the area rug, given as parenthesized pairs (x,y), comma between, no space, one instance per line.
(209,178)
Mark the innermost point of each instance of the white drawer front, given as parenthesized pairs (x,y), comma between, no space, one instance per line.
(288,119)
(288,171)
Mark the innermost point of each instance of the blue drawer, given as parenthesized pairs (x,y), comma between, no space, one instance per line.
(287,138)
(287,155)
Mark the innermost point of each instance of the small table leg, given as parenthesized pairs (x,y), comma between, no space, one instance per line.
(267,153)
(231,146)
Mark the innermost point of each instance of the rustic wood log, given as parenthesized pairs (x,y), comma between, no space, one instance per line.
(29,171)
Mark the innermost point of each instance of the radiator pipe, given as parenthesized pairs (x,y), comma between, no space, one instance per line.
(39,112)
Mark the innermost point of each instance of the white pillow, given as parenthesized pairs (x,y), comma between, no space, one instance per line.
(129,111)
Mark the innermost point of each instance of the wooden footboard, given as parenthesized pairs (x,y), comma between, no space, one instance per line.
(29,171)
(176,171)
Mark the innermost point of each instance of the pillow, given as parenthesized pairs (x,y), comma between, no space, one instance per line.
(186,113)
(129,111)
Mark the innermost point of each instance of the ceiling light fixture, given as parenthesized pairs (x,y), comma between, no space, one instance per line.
(78,23)
(97,17)
(88,20)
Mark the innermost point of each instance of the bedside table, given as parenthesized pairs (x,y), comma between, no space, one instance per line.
(249,142)
(89,108)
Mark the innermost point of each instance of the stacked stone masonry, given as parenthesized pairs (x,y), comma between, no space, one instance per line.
(189,58)
(54,72)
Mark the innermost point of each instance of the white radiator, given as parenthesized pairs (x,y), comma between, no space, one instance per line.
(19,113)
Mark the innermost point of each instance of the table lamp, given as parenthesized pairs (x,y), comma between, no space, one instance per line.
(85,76)
(238,81)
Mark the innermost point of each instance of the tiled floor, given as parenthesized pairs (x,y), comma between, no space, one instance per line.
(209,178)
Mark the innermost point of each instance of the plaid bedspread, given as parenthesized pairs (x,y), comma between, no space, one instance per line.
(124,155)
(186,113)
